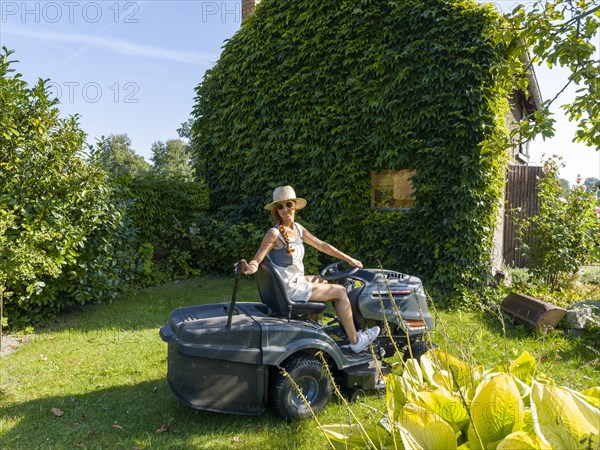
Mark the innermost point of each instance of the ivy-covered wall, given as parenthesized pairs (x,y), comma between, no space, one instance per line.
(319,93)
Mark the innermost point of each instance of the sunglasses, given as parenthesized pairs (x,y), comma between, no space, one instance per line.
(288,205)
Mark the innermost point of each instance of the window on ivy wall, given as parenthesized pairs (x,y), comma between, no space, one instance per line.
(392,189)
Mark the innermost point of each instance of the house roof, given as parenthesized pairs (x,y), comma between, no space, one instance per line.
(534,101)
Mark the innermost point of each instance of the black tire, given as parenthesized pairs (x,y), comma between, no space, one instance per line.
(307,372)
(419,348)
(354,395)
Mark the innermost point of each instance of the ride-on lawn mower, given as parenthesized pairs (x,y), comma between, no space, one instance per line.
(228,357)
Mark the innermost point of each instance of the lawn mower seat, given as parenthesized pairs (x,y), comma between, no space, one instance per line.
(273,294)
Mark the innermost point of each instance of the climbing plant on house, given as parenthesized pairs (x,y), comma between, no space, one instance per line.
(320,94)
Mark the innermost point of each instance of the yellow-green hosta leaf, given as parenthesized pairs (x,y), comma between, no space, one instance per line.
(523,388)
(525,391)
(528,426)
(520,440)
(352,436)
(398,391)
(434,375)
(468,392)
(563,419)
(408,441)
(413,374)
(477,373)
(427,428)
(497,410)
(395,398)
(437,360)
(474,440)
(443,379)
(447,405)
(499,368)
(594,401)
(592,395)
(523,367)
(428,368)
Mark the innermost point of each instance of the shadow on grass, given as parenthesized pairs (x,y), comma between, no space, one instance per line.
(140,415)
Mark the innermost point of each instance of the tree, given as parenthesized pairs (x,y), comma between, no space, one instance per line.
(118,156)
(172,158)
(563,33)
(185,132)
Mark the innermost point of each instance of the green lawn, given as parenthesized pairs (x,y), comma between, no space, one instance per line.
(96,377)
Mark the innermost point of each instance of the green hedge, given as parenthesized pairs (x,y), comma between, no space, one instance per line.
(163,211)
(318,94)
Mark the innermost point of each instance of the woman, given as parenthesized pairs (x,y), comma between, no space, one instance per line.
(284,245)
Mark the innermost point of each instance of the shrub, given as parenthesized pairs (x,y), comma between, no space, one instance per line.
(565,230)
(218,245)
(106,264)
(518,277)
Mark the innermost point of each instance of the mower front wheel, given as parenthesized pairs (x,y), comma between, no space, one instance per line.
(310,378)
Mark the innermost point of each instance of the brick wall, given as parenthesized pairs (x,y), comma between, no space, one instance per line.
(248,7)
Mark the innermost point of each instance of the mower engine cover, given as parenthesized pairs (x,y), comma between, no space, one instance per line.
(403,298)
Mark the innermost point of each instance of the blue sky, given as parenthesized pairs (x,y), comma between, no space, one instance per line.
(125,67)
(131,67)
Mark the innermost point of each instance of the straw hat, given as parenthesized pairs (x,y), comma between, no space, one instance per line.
(284,193)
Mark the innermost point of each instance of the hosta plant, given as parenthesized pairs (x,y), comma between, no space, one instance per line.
(442,402)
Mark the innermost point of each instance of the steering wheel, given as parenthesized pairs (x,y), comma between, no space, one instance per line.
(333,272)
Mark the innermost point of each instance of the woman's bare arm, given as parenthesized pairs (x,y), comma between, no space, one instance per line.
(248,268)
(327,248)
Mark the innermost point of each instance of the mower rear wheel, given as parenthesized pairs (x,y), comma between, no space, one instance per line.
(307,373)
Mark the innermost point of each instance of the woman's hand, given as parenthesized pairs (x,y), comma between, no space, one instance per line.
(248,268)
(354,262)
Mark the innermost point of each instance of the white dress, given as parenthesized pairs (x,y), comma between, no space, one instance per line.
(291,267)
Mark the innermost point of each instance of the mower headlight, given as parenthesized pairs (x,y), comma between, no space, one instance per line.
(420,291)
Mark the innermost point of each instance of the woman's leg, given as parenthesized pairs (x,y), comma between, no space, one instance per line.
(336,293)
(315,279)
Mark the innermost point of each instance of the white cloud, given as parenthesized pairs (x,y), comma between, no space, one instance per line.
(117,45)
